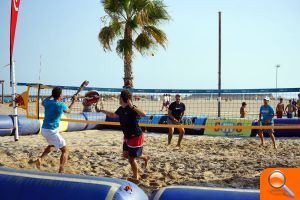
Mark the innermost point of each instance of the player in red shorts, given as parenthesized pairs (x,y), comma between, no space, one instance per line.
(129,116)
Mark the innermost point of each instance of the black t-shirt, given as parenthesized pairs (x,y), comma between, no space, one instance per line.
(129,121)
(177,109)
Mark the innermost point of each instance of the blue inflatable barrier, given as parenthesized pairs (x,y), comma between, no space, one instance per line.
(192,193)
(281,132)
(147,119)
(94,116)
(25,184)
(287,132)
(73,126)
(6,125)
(153,119)
(187,120)
(163,119)
(254,132)
(32,126)
(192,120)
(112,127)
(158,119)
(28,126)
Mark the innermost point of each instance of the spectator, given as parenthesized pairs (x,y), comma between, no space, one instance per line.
(280,108)
(290,109)
(243,110)
(298,105)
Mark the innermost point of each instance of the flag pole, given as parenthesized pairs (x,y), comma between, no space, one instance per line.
(13,96)
(13,22)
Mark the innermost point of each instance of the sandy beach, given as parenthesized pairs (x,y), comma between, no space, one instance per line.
(202,160)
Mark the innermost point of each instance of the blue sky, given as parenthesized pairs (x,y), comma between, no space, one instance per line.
(257,35)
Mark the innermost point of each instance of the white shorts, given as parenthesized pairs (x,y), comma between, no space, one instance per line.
(54,138)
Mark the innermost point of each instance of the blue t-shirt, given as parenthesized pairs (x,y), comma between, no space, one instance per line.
(53,111)
(267,113)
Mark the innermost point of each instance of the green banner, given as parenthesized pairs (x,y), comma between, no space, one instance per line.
(228,122)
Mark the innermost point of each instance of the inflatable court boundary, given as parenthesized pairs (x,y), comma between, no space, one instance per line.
(113,186)
(160,192)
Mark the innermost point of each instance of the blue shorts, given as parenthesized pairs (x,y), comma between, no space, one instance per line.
(133,151)
(267,131)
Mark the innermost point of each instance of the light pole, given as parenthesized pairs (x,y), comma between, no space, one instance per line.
(219,67)
(2,83)
(277,67)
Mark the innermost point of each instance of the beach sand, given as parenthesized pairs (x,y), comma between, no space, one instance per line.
(202,160)
(5,109)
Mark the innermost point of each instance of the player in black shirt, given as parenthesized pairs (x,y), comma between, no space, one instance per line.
(175,113)
(129,116)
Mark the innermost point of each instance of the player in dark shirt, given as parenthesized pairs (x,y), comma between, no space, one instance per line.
(175,113)
(129,116)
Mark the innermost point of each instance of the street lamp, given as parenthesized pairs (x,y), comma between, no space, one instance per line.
(277,67)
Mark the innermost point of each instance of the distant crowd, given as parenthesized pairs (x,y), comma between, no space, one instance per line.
(290,110)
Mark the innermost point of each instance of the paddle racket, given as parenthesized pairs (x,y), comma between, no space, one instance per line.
(82,86)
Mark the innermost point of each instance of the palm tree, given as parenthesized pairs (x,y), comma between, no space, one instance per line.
(134,23)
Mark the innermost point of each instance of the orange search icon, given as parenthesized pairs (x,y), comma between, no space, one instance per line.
(277,180)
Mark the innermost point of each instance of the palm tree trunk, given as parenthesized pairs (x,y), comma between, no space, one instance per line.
(128,78)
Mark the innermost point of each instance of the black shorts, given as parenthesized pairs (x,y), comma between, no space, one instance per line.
(133,151)
(169,121)
(299,113)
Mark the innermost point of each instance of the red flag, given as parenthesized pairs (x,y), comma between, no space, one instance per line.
(13,22)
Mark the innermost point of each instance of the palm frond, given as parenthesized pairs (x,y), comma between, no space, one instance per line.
(139,5)
(105,38)
(117,26)
(124,47)
(127,7)
(158,35)
(132,23)
(157,12)
(112,6)
(151,12)
(143,43)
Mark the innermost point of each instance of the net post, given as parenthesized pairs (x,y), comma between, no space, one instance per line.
(28,100)
(38,101)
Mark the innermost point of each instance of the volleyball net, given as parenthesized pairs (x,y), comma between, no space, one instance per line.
(201,112)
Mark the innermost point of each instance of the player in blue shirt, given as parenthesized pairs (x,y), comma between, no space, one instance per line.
(266,115)
(54,108)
